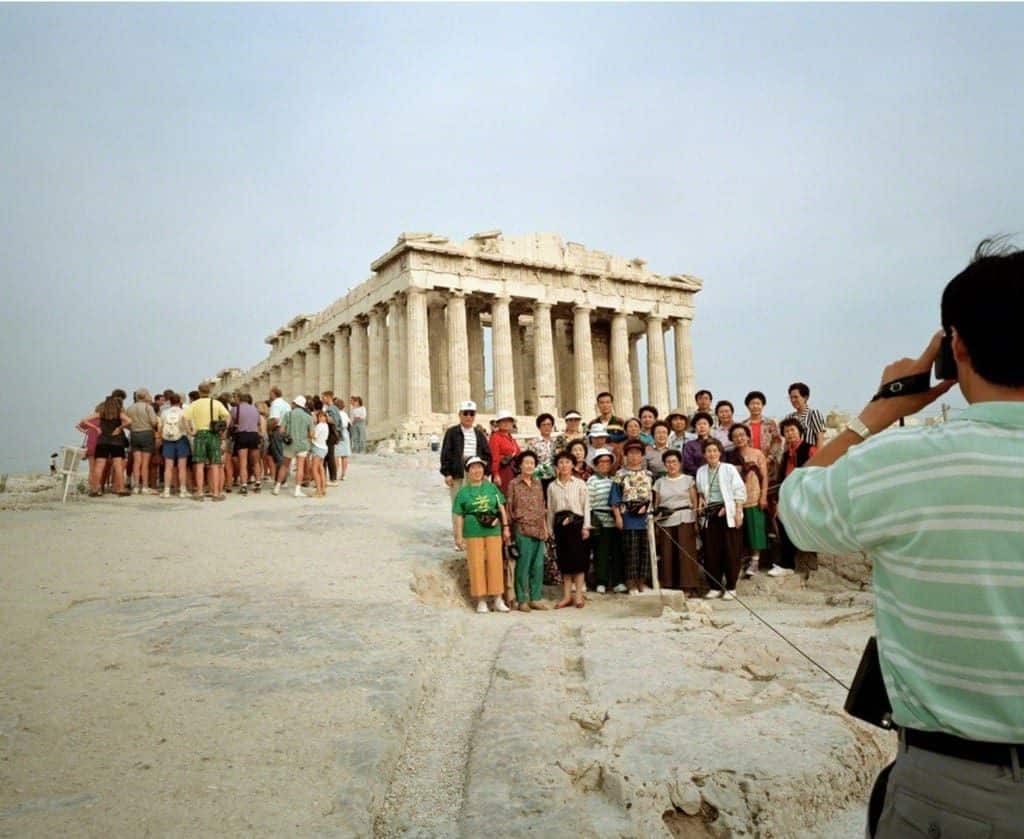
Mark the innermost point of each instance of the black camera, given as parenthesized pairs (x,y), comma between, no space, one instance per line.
(945,364)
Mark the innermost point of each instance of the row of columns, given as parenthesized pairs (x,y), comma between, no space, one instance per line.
(410,359)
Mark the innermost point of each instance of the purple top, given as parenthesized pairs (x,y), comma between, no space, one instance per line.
(246,417)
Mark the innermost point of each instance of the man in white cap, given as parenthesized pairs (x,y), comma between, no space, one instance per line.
(504,450)
(460,443)
(295,427)
(573,431)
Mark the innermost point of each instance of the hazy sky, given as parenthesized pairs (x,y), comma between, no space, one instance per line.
(178,181)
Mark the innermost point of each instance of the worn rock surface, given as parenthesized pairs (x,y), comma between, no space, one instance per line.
(273,666)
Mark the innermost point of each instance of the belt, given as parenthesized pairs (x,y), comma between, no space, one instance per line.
(999,754)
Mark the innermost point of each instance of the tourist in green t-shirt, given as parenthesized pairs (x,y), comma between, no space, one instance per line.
(481,525)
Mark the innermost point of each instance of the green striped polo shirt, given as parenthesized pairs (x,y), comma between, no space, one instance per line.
(940,510)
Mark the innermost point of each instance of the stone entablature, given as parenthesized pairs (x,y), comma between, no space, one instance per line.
(409,340)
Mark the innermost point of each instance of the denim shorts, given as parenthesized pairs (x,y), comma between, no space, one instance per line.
(176,449)
(318,451)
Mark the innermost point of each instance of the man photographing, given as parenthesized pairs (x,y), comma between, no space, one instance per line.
(940,510)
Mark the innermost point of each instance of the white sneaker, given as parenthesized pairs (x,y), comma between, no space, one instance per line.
(729,595)
(167,492)
(276,490)
(183,493)
(620,589)
(481,607)
(633,591)
(711,595)
(299,493)
(600,589)
(787,572)
(752,570)
(499,605)
(776,571)
(332,483)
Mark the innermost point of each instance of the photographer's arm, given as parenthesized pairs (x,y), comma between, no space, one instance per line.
(882,413)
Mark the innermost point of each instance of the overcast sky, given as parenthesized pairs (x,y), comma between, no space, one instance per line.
(178,181)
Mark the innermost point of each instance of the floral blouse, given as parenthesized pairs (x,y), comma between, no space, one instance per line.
(545,451)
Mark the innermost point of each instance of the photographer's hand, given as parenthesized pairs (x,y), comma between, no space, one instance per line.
(881,413)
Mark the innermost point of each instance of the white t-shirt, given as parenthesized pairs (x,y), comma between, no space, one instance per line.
(468,442)
(320,435)
(278,408)
(359,413)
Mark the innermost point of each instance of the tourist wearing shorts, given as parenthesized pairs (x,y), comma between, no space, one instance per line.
(318,453)
(175,448)
(200,415)
(110,444)
(276,413)
(245,419)
(480,522)
(143,437)
(295,430)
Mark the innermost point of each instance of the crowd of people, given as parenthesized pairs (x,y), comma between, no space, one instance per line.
(210,445)
(591,505)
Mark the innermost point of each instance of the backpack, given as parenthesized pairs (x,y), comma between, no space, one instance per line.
(171,429)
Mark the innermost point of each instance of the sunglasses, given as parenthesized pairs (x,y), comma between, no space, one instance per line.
(468,413)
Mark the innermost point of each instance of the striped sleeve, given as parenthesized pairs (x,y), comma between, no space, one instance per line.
(814,505)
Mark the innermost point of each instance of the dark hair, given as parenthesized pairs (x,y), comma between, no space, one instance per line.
(604,393)
(525,453)
(631,419)
(722,402)
(711,441)
(791,421)
(755,394)
(120,394)
(648,408)
(983,303)
(110,408)
(735,427)
(665,455)
(246,398)
(697,395)
(565,454)
(701,415)
(542,417)
(661,424)
(174,398)
(193,395)
(579,441)
(800,388)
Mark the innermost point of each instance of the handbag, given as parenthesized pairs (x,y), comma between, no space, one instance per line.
(488,519)
(216,426)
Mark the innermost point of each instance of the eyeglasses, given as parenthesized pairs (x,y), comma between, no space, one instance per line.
(468,413)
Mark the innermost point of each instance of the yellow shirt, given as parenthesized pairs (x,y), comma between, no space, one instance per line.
(199,413)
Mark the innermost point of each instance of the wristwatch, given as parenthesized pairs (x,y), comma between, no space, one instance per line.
(857,426)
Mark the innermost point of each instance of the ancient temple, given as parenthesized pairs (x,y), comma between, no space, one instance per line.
(564,325)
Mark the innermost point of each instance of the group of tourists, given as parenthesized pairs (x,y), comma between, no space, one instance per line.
(593,504)
(210,445)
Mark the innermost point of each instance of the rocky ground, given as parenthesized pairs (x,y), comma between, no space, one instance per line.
(272,666)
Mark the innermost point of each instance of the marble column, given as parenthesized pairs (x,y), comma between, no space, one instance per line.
(529,372)
(342,385)
(358,369)
(634,372)
(657,382)
(417,354)
(475,344)
(684,365)
(325,381)
(298,375)
(396,358)
(565,375)
(438,339)
(377,370)
(458,352)
(544,360)
(517,365)
(501,355)
(583,357)
(312,379)
(621,375)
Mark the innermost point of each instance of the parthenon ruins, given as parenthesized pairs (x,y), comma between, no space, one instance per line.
(565,323)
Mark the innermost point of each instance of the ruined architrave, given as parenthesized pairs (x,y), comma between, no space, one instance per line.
(564,326)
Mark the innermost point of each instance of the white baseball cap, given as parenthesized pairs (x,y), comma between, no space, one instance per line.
(468,405)
(300,401)
(474,459)
(501,415)
(597,430)
(573,415)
